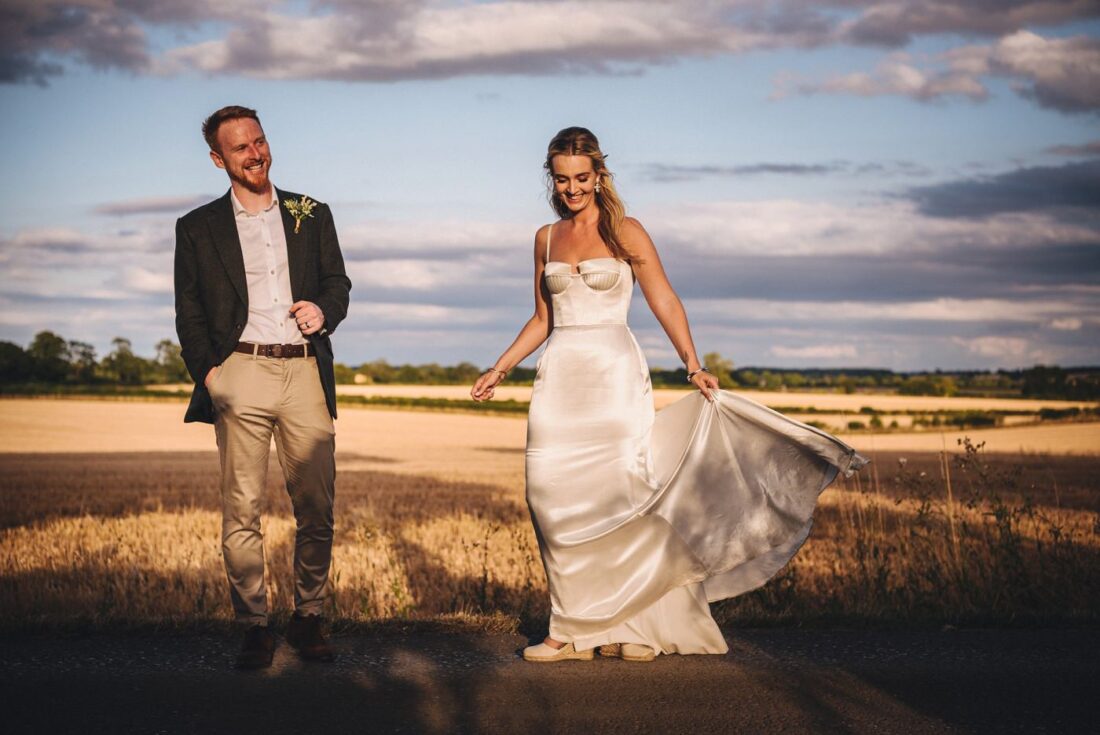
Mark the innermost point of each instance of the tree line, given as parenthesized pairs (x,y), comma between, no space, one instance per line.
(52,360)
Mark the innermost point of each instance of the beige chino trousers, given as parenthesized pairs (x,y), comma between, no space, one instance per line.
(256,398)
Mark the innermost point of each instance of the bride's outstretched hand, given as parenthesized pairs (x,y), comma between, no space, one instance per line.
(706,383)
(486,385)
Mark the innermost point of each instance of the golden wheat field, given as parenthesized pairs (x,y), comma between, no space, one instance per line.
(109,516)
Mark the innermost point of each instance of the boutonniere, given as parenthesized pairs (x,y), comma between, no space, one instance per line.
(300,209)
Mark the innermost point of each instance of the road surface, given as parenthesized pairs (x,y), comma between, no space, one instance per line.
(779,680)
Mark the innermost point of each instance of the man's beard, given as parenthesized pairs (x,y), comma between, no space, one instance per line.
(241,177)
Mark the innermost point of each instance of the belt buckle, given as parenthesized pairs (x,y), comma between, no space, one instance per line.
(276,350)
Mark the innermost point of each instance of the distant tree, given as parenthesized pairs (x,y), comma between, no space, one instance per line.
(521,374)
(720,368)
(50,353)
(123,366)
(464,372)
(770,380)
(170,362)
(406,374)
(794,380)
(378,371)
(82,362)
(16,365)
(929,385)
(1044,381)
(344,375)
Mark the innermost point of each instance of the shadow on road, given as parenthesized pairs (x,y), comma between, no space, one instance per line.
(434,682)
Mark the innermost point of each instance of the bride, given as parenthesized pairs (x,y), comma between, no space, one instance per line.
(642,519)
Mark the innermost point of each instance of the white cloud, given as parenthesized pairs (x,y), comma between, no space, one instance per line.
(63,238)
(177,205)
(1063,73)
(432,41)
(940,310)
(895,75)
(390,314)
(895,22)
(1066,324)
(992,346)
(419,275)
(1059,73)
(432,238)
(147,281)
(816,352)
(790,228)
(382,40)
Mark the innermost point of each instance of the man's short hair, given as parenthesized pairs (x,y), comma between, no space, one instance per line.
(211,124)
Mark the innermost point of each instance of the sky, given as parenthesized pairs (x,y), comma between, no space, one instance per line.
(912,184)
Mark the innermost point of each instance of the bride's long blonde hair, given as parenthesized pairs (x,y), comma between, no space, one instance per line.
(578,141)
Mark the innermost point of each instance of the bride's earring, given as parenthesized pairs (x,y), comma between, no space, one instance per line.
(597,186)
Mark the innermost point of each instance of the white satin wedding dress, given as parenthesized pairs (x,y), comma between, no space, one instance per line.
(642,519)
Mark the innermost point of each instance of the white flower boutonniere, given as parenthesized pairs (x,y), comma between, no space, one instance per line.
(300,209)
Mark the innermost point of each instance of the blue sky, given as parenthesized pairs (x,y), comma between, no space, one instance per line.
(908,185)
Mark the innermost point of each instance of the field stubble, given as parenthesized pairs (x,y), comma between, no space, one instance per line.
(132,539)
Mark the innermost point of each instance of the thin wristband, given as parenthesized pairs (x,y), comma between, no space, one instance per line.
(503,373)
(693,373)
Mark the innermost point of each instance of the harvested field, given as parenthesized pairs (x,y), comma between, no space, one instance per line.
(849,402)
(74,425)
(109,516)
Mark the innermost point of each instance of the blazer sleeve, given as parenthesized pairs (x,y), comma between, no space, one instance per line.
(192,327)
(333,296)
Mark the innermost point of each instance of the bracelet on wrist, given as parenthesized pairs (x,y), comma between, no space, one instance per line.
(693,373)
(503,373)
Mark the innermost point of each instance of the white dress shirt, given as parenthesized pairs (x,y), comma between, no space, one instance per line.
(266,269)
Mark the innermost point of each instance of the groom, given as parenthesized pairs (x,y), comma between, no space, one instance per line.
(260,285)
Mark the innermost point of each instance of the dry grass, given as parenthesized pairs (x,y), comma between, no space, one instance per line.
(133,539)
(432,526)
(947,538)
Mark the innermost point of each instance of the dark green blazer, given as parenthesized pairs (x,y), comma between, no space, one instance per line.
(212,293)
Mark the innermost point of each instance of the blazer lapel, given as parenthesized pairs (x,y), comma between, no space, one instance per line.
(223,228)
(295,246)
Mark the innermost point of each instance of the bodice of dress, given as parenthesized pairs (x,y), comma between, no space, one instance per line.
(598,294)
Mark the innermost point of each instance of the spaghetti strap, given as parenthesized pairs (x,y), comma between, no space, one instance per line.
(548,234)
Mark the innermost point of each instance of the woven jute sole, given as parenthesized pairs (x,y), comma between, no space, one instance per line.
(615,650)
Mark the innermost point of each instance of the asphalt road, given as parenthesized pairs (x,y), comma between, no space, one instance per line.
(811,681)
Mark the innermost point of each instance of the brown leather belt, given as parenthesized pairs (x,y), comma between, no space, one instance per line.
(249,348)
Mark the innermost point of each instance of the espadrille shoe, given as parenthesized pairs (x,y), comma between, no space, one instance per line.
(637,652)
(628,651)
(544,653)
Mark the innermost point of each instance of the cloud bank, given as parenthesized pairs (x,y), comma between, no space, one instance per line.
(956,274)
(388,41)
(1057,73)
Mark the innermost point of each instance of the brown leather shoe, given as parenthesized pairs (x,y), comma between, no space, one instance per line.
(258,648)
(304,633)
